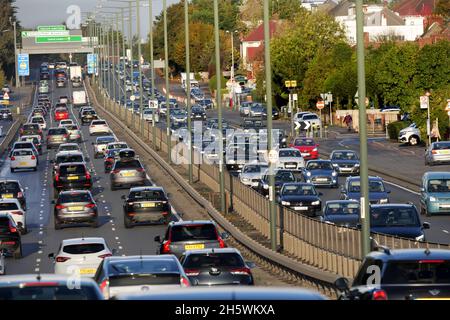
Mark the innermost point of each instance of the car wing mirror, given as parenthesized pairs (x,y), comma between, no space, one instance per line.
(426,225)
(388,191)
(225,235)
(114,251)
(422,189)
(320,194)
(157,239)
(250,264)
(123,197)
(342,284)
(51,255)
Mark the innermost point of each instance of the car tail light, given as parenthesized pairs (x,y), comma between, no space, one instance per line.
(62,259)
(103,286)
(166,247)
(184,282)
(241,271)
(57,177)
(10,242)
(221,243)
(431,261)
(103,256)
(60,206)
(115,171)
(434,152)
(88,176)
(140,170)
(379,295)
(19,195)
(20,213)
(12,229)
(13,158)
(33,158)
(192,272)
(90,205)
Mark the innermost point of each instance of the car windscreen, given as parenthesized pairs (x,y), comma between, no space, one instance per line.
(147,195)
(310,117)
(57,131)
(207,260)
(342,208)
(304,142)
(439,185)
(84,248)
(286,176)
(193,232)
(319,165)
(48,292)
(69,158)
(129,164)
(394,217)
(289,153)
(434,271)
(254,169)
(71,169)
(374,186)
(344,156)
(105,140)
(299,190)
(9,187)
(7,206)
(74,197)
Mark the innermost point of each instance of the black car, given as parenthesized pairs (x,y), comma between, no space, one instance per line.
(281,177)
(342,213)
(212,267)
(401,220)
(30,129)
(146,204)
(10,240)
(301,197)
(406,274)
(87,117)
(206,103)
(11,189)
(198,113)
(5,114)
(346,162)
(72,175)
(253,125)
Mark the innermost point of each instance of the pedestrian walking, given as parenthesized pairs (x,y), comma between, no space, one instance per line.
(348,121)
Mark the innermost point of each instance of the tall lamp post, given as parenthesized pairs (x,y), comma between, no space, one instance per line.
(232,68)
(166,74)
(188,88)
(14,24)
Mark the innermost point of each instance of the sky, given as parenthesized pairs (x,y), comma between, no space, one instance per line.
(32,13)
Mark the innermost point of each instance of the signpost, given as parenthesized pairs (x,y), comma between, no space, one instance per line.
(291,84)
(425,104)
(58,39)
(92,63)
(23,62)
(51,28)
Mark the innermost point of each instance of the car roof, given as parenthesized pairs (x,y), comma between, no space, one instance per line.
(69,144)
(9,180)
(14,280)
(9,200)
(213,250)
(437,175)
(341,201)
(152,188)
(77,191)
(68,152)
(72,164)
(159,257)
(190,222)
(68,242)
(392,205)
(288,149)
(104,137)
(414,254)
(358,178)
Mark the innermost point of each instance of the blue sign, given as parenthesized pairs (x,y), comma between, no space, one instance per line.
(23,63)
(92,63)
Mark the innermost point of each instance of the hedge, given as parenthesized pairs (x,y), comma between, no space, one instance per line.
(395,127)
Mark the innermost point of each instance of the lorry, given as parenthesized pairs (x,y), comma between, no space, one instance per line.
(75,76)
(194,83)
(79,98)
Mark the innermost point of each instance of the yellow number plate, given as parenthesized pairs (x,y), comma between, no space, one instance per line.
(148,205)
(22,163)
(444,151)
(128,174)
(72,178)
(76,208)
(88,271)
(194,246)
(7,196)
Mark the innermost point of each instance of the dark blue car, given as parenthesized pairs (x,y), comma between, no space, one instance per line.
(342,213)
(321,173)
(378,194)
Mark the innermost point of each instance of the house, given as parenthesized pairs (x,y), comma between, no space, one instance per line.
(253,45)
(312,5)
(438,30)
(415,7)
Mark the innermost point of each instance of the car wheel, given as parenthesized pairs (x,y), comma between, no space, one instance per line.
(57,225)
(55,193)
(95,224)
(18,252)
(127,222)
(12,170)
(413,140)
(113,188)
(24,230)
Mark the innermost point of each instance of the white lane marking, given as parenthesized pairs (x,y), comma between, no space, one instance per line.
(403,188)
(445,231)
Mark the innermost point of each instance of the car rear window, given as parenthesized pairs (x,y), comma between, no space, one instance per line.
(69,158)
(85,248)
(61,110)
(130,164)
(74,197)
(6,206)
(31,127)
(151,195)
(4,221)
(71,127)
(105,140)
(88,112)
(57,131)
(193,232)
(98,122)
(68,148)
(73,169)
(22,152)
(57,292)
(206,260)
(417,272)
(9,187)
(37,120)
(23,145)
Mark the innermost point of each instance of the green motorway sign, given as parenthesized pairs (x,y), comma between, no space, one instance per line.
(57,39)
(52,28)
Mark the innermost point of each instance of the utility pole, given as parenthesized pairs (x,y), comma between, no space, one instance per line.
(141,91)
(14,23)
(118,63)
(152,66)
(108,57)
(166,73)
(130,32)
(123,63)
(219,105)
(113,51)
(364,174)
(188,88)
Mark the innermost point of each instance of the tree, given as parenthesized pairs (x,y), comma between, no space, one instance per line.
(2,78)
(7,36)
(443,8)
(285,9)
(203,12)
(433,65)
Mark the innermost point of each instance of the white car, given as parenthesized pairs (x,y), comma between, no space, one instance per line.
(68,147)
(40,121)
(62,123)
(17,213)
(99,127)
(100,145)
(252,173)
(116,145)
(313,119)
(23,159)
(36,139)
(290,159)
(148,115)
(80,256)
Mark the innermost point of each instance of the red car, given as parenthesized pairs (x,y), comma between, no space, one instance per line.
(61,114)
(307,147)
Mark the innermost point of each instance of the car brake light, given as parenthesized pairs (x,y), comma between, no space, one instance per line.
(19,195)
(20,213)
(184,282)
(140,169)
(221,243)
(241,271)
(33,158)
(13,158)
(192,272)
(166,247)
(62,259)
(103,256)
(88,175)
(12,229)
(379,295)
(115,171)
(57,177)
(433,151)
(431,261)
(103,285)
(90,205)
(60,206)
(9,242)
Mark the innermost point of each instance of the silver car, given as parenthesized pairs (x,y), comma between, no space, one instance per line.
(251,174)
(438,153)
(56,136)
(135,274)
(74,132)
(127,172)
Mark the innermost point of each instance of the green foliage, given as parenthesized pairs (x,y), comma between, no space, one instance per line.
(443,8)
(395,127)
(203,12)
(433,63)
(2,78)
(7,38)
(213,83)
(285,9)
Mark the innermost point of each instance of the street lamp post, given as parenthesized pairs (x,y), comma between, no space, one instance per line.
(141,91)
(188,87)
(364,179)
(152,66)
(219,105)
(14,23)
(166,73)
(130,31)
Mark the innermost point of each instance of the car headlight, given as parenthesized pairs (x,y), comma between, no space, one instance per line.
(357,165)
(383,200)
(432,199)
(334,174)
(335,165)
(420,238)
(315,150)
(285,203)
(315,203)
(266,186)
(283,140)
(308,174)
(245,179)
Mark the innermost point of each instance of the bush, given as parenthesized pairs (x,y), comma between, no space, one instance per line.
(213,83)
(395,127)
